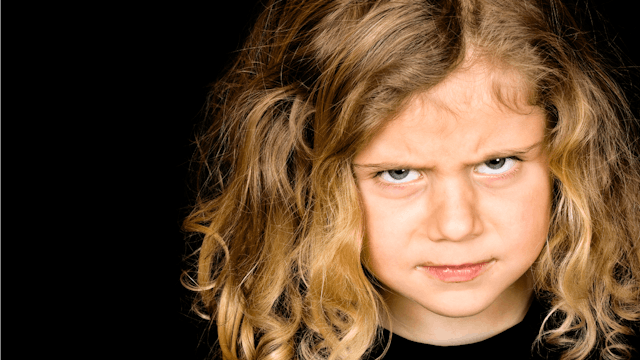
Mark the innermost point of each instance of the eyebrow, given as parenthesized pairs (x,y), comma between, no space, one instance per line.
(513,152)
(503,153)
(385,166)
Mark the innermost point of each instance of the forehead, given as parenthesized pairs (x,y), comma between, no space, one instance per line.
(474,88)
(472,114)
(479,83)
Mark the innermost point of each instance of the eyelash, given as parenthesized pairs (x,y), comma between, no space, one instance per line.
(504,175)
(386,184)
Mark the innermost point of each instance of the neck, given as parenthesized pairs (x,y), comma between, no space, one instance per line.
(418,324)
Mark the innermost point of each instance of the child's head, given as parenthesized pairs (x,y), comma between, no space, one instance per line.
(456,178)
(495,114)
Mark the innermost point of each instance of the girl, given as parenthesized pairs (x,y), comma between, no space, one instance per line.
(441,178)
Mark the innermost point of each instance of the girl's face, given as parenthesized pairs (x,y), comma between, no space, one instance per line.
(456,179)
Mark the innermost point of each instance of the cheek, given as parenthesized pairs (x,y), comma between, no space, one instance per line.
(380,217)
(386,230)
(524,220)
(373,225)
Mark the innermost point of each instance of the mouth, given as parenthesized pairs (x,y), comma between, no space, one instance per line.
(457,273)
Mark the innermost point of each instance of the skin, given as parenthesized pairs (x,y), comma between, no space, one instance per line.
(449,211)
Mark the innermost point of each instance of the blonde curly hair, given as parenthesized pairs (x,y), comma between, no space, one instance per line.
(279,271)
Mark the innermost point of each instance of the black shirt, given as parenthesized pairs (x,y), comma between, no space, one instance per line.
(513,343)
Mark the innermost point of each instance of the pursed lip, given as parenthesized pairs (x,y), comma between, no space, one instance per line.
(457,273)
(430,264)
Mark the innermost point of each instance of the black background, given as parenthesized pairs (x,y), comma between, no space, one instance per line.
(201,40)
(207,34)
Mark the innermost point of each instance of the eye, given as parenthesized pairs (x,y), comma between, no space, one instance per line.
(399,176)
(496,166)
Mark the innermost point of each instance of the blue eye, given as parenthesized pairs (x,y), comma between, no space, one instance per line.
(496,166)
(399,176)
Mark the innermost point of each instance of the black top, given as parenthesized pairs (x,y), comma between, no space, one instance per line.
(513,343)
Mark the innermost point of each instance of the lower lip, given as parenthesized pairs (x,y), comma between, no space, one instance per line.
(460,273)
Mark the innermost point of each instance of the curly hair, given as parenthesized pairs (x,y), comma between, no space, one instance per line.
(279,270)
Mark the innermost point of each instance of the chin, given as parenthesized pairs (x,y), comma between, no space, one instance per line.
(458,312)
(457,307)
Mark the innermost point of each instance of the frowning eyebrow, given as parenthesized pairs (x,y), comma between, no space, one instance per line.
(512,152)
(494,154)
(385,166)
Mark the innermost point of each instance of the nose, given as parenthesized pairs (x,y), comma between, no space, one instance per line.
(454,212)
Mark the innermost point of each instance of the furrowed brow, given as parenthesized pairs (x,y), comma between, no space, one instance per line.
(384,166)
(493,154)
(513,151)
